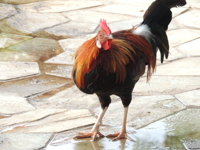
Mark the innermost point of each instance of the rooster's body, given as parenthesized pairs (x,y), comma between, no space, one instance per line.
(112,63)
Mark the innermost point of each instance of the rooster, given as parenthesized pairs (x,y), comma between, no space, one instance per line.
(112,63)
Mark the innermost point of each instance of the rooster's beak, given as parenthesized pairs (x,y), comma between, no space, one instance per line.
(109,36)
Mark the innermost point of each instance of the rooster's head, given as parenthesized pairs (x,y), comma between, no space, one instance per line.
(104,37)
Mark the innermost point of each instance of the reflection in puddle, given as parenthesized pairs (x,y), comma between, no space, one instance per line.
(178,132)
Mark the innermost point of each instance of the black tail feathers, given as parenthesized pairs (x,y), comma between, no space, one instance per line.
(157,17)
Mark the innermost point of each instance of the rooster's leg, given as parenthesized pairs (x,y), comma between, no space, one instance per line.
(95,129)
(122,133)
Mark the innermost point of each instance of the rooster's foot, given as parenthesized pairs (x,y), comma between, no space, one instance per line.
(92,134)
(120,135)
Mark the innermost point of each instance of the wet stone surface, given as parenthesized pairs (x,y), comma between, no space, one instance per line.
(42,109)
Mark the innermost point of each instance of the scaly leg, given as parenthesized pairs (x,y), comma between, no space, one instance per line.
(95,129)
(122,133)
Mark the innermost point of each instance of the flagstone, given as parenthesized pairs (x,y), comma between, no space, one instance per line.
(173,55)
(61,70)
(11,70)
(34,85)
(142,110)
(59,122)
(6,10)
(166,85)
(191,48)
(73,28)
(189,18)
(185,34)
(16,2)
(38,48)
(72,44)
(11,39)
(137,9)
(194,3)
(94,16)
(34,22)
(190,98)
(183,67)
(179,10)
(58,6)
(12,103)
(29,116)
(24,141)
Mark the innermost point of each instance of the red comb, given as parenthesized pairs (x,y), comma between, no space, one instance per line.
(103,25)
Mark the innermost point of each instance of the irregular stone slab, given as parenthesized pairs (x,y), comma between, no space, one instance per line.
(38,48)
(94,17)
(72,44)
(166,85)
(186,34)
(60,70)
(33,22)
(57,6)
(11,104)
(11,70)
(173,55)
(143,110)
(191,48)
(123,25)
(24,141)
(173,25)
(137,9)
(190,18)
(186,66)
(190,98)
(29,116)
(16,2)
(6,10)
(11,39)
(192,144)
(59,122)
(178,10)
(11,55)
(132,2)
(194,3)
(72,28)
(34,85)
(63,58)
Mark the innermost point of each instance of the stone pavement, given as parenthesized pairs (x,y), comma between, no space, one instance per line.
(41,108)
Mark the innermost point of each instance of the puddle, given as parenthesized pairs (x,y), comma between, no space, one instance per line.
(178,132)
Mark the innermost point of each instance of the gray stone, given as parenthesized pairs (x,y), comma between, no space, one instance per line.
(194,3)
(166,85)
(189,18)
(143,110)
(173,55)
(173,25)
(72,44)
(10,70)
(190,98)
(11,39)
(185,34)
(132,2)
(178,10)
(192,144)
(57,6)
(16,2)
(38,48)
(59,122)
(11,104)
(63,58)
(33,22)
(28,117)
(34,85)
(190,48)
(94,16)
(23,141)
(186,66)
(61,70)
(137,9)
(72,28)
(6,10)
